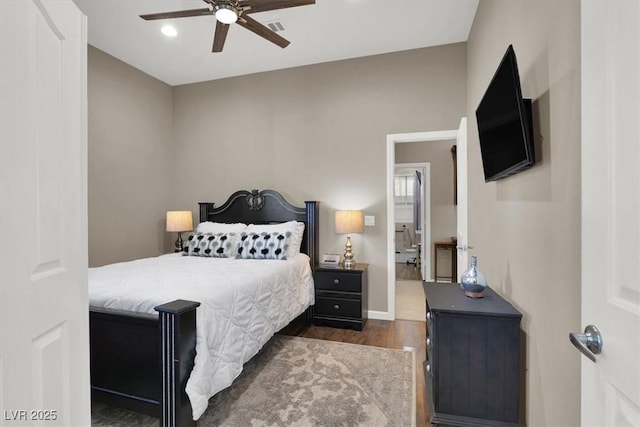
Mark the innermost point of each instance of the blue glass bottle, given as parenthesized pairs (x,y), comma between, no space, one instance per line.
(473,281)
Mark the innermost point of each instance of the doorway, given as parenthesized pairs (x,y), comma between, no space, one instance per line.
(412,202)
(458,135)
(412,207)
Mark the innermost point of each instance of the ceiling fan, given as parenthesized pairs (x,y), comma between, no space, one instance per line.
(228,12)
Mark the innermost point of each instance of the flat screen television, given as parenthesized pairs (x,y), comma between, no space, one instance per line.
(504,123)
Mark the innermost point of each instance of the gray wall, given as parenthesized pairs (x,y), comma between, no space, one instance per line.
(130,161)
(316,133)
(526,228)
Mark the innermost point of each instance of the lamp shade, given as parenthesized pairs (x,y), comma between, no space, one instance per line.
(179,221)
(349,222)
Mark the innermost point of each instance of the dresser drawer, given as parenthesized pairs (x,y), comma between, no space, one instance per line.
(336,281)
(338,307)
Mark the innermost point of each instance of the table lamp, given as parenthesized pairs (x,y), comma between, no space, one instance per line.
(348,222)
(179,221)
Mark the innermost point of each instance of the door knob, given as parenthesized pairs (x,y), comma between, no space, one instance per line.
(589,343)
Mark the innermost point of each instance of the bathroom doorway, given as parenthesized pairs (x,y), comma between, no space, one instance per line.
(412,218)
(459,136)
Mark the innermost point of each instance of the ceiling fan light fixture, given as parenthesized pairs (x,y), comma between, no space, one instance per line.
(226,14)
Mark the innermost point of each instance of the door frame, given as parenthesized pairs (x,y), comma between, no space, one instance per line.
(392,140)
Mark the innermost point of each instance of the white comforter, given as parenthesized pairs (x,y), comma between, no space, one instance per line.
(243,303)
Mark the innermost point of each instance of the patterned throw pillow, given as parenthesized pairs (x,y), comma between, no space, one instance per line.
(294,227)
(217,245)
(263,245)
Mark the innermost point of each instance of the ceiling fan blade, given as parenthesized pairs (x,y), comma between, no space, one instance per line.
(264,32)
(177,14)
(264,5)
(219,36)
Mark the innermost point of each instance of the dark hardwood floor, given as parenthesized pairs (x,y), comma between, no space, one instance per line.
(406,271)
(398,334)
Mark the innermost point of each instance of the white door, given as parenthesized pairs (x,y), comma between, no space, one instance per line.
(44,354)
(611,210)
(462,209)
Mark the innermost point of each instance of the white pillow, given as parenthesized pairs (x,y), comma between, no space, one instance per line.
(220,227)
(297,233)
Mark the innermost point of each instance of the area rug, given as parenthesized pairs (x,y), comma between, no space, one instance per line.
(410,300)
(297,381)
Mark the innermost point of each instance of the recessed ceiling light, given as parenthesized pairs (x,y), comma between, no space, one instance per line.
(169,30)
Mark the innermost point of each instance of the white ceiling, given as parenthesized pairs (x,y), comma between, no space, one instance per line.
(330,30)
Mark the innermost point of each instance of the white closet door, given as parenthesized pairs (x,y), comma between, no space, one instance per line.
(611,210)
(44,359)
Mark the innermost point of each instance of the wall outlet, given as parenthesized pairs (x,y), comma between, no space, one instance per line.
(369,220)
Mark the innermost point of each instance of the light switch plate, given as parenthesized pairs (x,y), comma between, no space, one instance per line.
(369,220)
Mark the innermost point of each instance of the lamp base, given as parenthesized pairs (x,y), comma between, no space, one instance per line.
(179,245)
(349,262)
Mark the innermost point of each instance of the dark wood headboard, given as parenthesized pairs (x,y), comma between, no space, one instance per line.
(265,207)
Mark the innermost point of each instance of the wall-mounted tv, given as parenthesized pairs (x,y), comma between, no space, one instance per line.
(504,123)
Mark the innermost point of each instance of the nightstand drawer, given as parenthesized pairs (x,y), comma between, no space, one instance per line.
(338,307)
(336,281)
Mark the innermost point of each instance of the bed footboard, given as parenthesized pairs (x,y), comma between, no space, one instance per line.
(142,362)
(178,331)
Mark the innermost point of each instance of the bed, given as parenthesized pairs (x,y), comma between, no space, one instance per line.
(156,345)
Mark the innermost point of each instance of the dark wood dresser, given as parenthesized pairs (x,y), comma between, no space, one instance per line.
(341,296)
(472,371)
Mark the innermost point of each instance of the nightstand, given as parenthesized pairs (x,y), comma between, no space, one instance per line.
(341,296)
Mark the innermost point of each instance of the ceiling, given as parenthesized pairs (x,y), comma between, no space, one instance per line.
(330,30)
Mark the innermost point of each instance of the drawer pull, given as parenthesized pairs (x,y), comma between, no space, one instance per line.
(428,315)
(336,306)
(336,281)
(428,367)
(429,342)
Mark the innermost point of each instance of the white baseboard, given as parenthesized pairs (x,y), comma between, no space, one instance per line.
(379,315)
